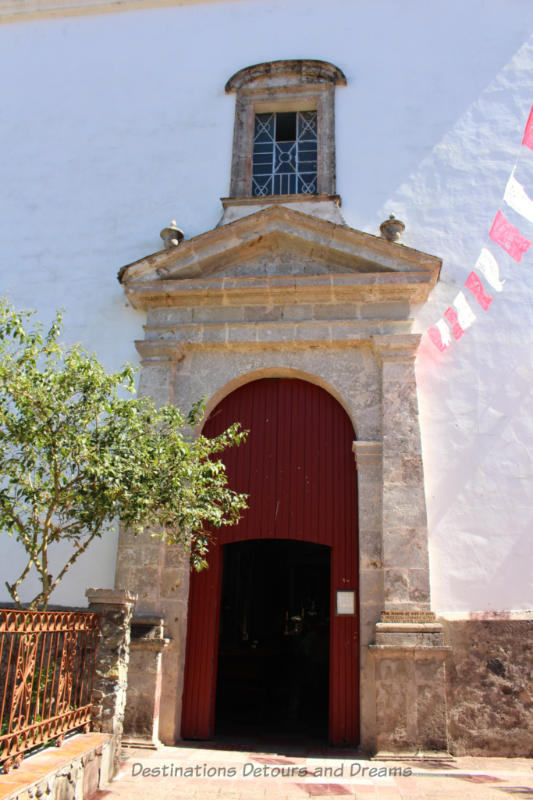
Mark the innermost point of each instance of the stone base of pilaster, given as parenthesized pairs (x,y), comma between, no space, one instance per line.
(410,679)
(141,719)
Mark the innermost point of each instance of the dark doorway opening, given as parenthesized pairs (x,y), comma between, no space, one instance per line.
(273,655)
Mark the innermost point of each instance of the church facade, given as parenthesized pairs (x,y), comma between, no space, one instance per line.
(360,304)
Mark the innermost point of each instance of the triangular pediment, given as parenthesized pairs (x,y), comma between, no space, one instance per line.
(278,241)
(275,244)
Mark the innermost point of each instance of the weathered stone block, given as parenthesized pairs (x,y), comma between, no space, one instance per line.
(406,548)
(263,313)
(406,470)
(396,586)
(371,586)
(168,316)
(90,780)
(398,511)
(318,331)
(394,310)
(175,556)
(392,715)
(404,440)
(431,716)
(170,582)
(489,681)
(275,333)
(214,333)
(370,555)
(241,333)
(419,591)
(218,314)
(393,670)
(369,615)
(297,311)
(338,311)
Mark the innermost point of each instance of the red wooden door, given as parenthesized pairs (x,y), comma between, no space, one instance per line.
(298,468)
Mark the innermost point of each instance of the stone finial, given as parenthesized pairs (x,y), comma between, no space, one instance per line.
(172,235)
(392,228)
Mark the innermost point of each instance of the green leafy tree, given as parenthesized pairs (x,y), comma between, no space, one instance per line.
(77,452)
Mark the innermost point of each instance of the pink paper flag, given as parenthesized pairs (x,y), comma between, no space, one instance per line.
(476,287)
(528,133)
(509,237)
(440,335)
(460,316)
(451,316)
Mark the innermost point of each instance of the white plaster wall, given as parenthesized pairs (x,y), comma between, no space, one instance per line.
(112,124)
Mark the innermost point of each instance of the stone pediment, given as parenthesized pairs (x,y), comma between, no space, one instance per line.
(273,246)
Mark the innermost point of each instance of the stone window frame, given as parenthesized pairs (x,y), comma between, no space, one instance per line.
(295,85)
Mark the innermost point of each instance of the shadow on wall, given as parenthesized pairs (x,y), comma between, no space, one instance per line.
(463,177)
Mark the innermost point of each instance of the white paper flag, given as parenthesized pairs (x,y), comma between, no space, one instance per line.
(444,331)
(465,315)
(517,197)
(489,267)
(459,315)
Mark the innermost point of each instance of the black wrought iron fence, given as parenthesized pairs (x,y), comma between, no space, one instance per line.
(47,662)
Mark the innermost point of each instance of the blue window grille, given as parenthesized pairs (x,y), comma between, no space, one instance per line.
(285,153)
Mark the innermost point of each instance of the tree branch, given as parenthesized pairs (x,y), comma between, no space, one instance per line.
(13,587)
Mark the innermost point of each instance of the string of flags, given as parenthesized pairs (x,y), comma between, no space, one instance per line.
(460,316)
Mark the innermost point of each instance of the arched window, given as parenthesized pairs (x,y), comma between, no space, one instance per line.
(284,137)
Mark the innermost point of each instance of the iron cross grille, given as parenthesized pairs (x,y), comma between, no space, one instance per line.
(285,153)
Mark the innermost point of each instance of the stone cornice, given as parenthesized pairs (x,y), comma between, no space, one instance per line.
(175,340)
(367,287)
(299,70)
(397,347)
(25,10)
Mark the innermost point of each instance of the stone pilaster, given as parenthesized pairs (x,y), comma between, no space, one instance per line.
(368,458)
(405,549)
(409,651)
(115,607)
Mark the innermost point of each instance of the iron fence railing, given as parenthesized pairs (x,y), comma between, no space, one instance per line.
(47,662)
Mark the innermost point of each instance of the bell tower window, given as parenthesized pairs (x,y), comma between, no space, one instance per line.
(284,134)
(285,153)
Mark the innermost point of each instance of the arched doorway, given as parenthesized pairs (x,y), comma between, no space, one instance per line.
(297,467)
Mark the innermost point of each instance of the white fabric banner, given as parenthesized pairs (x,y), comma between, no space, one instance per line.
(489,267)
(517,197)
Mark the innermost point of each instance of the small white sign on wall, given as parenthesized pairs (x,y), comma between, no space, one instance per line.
(345,603)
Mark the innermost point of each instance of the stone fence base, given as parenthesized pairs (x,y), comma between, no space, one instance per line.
(74,771)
